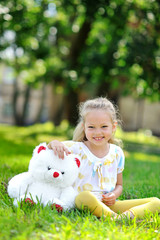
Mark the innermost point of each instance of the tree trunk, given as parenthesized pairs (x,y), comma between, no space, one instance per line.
(78,43)
(71,107)
(58,116)
(26,101)
(105,88)
(15,100)
(38,117)
(20,117)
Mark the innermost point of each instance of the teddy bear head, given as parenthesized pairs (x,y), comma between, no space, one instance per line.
(46,167)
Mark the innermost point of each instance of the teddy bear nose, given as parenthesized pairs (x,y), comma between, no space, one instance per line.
(55,174)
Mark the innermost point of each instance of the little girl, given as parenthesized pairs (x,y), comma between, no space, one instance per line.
(102,162)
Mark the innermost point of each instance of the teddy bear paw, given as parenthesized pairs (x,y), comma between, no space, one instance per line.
(29,201)
(58,207)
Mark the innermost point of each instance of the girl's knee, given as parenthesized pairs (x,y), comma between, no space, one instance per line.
(152,200)
(156,201)
(84,194)
(85,198)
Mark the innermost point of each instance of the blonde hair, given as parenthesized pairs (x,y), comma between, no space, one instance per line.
(98,104)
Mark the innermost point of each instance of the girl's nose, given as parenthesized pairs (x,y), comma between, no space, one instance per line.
(55,174)
(98,131)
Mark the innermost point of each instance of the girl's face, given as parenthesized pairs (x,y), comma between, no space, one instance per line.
(98,127)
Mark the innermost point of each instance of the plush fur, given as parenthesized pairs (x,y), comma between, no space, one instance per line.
(49,180)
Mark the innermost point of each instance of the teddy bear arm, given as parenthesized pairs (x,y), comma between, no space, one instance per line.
(18,185)
(68,196)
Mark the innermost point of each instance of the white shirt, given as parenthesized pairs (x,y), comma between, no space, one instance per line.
(98,175)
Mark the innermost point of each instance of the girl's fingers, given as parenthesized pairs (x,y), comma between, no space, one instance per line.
(58,148)
(106,198)
(108,201)
(109,204)
(60,151)
(67,152)
(50,145)
(61,155)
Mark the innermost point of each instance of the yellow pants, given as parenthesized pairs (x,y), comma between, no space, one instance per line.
(137,206)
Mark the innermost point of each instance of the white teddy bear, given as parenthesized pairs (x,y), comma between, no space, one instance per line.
(49,180)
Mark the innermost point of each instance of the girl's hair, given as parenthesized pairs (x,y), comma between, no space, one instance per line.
(95,104)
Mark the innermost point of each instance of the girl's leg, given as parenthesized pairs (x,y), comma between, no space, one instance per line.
(153,206)
(99,209)
(137,207)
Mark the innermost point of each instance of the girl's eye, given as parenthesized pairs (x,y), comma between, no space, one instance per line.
(49,168)
(104,126)
(90,127)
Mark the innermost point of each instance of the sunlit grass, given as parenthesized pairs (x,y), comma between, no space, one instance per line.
(141,137)
(138,156)
(34,134)
(141,179)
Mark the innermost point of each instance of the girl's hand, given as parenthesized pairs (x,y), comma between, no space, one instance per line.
(58,148)
(109,199)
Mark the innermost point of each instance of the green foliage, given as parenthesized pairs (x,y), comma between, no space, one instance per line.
(113,45)
(141,179)
(103,44)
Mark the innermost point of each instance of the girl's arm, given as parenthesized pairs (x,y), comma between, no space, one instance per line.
(110,198)
(58,148)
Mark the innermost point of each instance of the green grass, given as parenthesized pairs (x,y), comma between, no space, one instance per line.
(141,179)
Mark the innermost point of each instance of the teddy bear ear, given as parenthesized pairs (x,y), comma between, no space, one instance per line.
(41,148)
(78,162)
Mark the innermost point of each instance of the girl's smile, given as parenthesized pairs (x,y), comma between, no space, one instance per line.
(98,138)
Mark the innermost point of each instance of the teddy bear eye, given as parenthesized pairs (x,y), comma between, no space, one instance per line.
(62,172)
(49,168)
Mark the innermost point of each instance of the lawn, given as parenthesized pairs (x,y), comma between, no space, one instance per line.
(141,179)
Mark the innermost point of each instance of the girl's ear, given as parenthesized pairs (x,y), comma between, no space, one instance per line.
(83,126)
(114,126)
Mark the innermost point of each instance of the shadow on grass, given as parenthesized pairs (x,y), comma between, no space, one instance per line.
(10,148)
(22,140)
(141,147)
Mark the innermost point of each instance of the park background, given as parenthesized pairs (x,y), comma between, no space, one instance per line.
(55,54)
